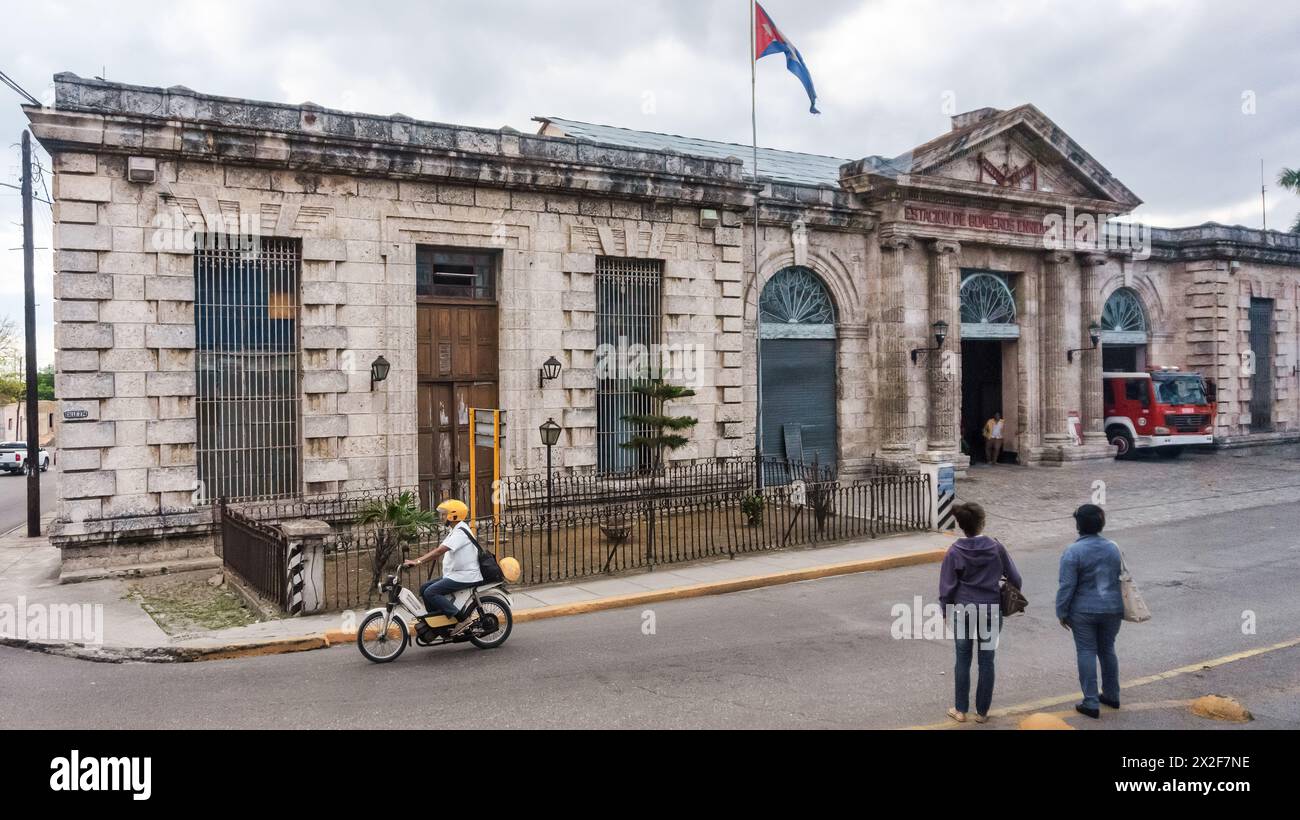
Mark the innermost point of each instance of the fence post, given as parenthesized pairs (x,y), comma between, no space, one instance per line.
(306,565)
(943,493)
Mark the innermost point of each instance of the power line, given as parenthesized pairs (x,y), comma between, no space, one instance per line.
(22,92)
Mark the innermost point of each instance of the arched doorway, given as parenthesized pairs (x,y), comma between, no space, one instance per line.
(797,333)
(1124,333)
(990,331)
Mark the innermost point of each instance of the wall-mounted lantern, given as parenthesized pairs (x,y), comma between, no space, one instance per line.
(378,371)
(550,371)
(1094,336)
(940,333)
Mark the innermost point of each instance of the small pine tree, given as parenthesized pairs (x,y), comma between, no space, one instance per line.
(660,431)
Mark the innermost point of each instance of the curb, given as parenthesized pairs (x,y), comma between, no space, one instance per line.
(337,637)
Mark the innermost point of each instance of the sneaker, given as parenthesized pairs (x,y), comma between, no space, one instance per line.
(960,717)
(981,718)
(1114,704)
(1084,710)
(462,626)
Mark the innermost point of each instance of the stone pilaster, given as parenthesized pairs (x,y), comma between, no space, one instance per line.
(1090,380)
(942,438)
(894,373)
(1056,281)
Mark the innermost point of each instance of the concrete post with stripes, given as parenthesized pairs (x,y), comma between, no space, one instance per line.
(305,576)
(943,494)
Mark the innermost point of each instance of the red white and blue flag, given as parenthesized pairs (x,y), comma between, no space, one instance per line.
(768,39)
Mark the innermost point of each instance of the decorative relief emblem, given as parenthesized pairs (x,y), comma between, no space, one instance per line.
(1006,175)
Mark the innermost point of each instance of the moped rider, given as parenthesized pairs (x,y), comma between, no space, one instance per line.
(460,568)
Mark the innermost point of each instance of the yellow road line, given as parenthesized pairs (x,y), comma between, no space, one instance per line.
(1046,703)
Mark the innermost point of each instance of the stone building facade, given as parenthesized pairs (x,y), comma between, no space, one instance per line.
(465,258)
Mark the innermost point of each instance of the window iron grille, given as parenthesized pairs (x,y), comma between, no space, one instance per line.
(247,363)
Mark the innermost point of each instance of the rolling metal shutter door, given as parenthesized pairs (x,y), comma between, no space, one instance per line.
(799,390)
(1261,383)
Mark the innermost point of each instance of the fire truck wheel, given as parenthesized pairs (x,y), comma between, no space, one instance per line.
(1121,440)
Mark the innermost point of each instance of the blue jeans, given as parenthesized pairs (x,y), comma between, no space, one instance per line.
(966,641)
(1094,640)
(437,595)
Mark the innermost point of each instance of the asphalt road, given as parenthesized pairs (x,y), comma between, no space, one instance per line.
(13,497)
(813,654)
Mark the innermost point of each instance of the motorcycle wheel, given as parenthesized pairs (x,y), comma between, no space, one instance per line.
(494,609)
(378,647)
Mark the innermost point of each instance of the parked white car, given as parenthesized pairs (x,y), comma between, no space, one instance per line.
(13,457)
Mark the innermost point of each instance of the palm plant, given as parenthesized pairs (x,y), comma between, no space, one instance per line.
(1289,178)
(399,522)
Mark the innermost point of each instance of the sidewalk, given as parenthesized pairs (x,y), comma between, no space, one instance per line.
(29,572)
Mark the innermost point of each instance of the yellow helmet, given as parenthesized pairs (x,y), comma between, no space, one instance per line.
(510,569)
(453,510)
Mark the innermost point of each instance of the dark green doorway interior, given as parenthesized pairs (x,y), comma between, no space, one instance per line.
(981,393)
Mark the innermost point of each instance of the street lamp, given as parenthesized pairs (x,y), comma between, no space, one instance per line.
(1094,336)
(940,333)
(378,371)
(550,436)
(550,370)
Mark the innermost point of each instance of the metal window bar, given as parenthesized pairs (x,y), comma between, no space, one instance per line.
(629,320)
(248,361)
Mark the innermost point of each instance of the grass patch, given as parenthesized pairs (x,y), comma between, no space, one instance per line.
(182,605)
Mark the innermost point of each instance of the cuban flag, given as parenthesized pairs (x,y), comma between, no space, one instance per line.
(768,39)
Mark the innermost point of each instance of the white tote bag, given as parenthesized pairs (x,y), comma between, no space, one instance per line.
(1135,608)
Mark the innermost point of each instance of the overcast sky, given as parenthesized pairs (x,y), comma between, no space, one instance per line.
(1180,99)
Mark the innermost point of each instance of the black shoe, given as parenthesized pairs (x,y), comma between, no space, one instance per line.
(1114,704)
(1084,710)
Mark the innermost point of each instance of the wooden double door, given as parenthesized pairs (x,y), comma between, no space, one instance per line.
(457,368)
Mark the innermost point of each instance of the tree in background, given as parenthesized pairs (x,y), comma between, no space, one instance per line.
(11,358)
(45,383)
(1290,179)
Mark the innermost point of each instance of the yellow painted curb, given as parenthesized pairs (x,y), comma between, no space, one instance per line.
(336,637)
(1042,721)
(734,585)
(1221,707)
(274,647)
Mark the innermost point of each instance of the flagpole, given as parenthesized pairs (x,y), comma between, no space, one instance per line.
(758,312)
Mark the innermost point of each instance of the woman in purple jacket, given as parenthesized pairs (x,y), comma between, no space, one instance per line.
(969,591)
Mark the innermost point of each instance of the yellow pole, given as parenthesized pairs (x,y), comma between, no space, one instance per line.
(473,446)
(496,482)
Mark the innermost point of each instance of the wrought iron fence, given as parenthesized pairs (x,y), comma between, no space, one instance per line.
(527,492)
(257,551)
(577,542)
(704,511)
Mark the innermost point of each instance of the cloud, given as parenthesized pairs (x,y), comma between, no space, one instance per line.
(1152,88)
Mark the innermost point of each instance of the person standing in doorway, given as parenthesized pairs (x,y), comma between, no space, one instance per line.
(993,438)
(1090,605)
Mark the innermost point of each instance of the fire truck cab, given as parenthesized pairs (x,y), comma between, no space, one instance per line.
(1163,409)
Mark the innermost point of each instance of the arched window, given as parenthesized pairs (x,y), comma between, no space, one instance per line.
(1124,314)
(795,304)
(988,306)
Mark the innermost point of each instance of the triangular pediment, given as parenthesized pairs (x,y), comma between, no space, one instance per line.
(1018,150)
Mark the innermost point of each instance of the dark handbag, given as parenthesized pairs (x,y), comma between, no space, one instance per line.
(487,562)
(1011,601)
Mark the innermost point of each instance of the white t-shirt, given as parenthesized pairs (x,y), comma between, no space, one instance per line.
(460,563)
(997,430)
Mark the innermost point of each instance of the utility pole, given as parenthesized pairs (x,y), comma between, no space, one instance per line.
(1263,197)
(29,314)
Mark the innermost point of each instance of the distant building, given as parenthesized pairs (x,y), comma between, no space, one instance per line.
(13,419)
(239,365)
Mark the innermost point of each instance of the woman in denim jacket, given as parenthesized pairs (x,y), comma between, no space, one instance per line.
(1089,604)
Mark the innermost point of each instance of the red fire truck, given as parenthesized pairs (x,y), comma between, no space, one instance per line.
(1163,409)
